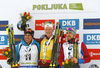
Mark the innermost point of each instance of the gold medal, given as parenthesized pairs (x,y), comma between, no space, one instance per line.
(44,61)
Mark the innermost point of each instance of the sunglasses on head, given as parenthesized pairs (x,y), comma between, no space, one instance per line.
(28,31)
(68,28)
(48,23)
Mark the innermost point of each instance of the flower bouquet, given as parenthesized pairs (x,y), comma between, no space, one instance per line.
(24,18)
(7,52)
(68,63)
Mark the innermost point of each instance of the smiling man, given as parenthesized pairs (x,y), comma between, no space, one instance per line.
(46,42)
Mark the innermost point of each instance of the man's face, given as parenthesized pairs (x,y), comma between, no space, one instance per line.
(48,31)
(28,38)
(69,35)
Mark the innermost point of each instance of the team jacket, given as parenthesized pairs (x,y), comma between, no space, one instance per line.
(27,55)
(84,56)
(48,52)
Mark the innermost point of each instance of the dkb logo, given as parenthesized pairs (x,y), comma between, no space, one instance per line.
(69,23)
(91,38)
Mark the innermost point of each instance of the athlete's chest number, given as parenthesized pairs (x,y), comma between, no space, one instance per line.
(28,56)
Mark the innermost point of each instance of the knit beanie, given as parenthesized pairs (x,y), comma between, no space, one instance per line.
(48,23)
(72,30)
(30,31)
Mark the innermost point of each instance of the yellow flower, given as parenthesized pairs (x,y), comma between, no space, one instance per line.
(28,17)
(71,60)
(63,63)
(66,62)
(6,53)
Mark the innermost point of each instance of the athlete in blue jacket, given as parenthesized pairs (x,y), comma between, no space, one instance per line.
(28,51)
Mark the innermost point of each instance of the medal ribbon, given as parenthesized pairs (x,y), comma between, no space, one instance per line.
(27,48)
(44,51)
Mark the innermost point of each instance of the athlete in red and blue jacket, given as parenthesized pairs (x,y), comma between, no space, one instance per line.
(66,51)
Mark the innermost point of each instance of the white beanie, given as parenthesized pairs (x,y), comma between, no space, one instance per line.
(48,23)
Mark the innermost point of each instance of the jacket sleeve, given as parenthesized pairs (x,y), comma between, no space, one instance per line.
(85,53)
(61,56)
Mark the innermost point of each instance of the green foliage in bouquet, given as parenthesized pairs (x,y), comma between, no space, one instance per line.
(25,17)
(68,63)
(7,52)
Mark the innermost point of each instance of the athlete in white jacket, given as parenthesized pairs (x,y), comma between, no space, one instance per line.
(28,50)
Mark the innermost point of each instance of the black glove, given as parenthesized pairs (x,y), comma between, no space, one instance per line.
(9,60)
(76,65)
